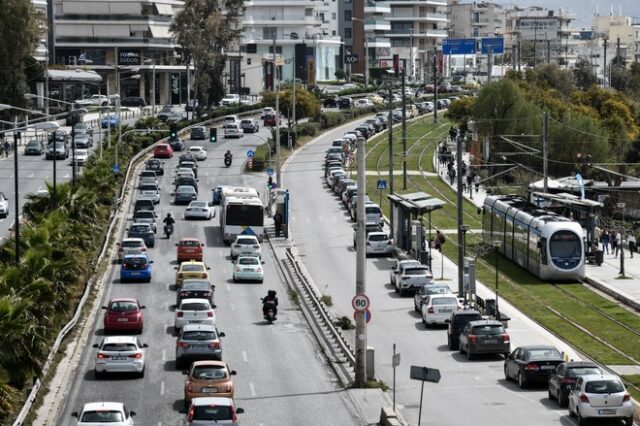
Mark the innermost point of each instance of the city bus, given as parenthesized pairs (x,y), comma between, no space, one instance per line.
(241,213)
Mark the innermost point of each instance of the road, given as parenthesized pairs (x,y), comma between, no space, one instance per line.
(322,232)
(282,377)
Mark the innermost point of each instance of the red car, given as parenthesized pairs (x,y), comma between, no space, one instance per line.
(123,314)
(269,120)
(190,249)
(163,150)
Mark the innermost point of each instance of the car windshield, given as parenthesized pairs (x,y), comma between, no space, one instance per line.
(212,412)
(148,187)
(246,241)
(194,306)
(416,271)
(102,416)
(131,244)
(192,268)
(199,204)
(195,149)
(123,307)
(582,371)
(144,214)
(378,237)
(139,228)
(444,301)
(189,243)
(199,335)
(372,210)
(432,289)
(542,353)
(248,261)
(135,263)
(185,190)
(33,143)
(209,372)
(603,386)
(119,347)
(195,286)
(487,330)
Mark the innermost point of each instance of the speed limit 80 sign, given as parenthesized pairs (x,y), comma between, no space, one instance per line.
(360,302)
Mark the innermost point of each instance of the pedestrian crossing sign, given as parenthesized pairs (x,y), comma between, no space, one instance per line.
(381,184)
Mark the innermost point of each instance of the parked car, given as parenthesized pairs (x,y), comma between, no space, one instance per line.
(120,354)
(212,410)
(345,102)
(427,290)
(163,150)
(133,101)
(33,147)
(248,268)
(123,314)
(136,268)
(208,378)
(199,210)
(456,323)
(601,396)
(196,288)
(189,249)
(378,243)
(144,231)
(156,166)
(94,100)
(249,125)
(330,102)
(114,413)
(111,120)
(530,364)
(437,308)
(563,379)
(198,342)
(412,278)
(194,311)
(191,270)
(484,337)
(199,133)
(131,246)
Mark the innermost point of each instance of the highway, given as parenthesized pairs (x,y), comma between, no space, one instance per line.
(470,392)
(282,377)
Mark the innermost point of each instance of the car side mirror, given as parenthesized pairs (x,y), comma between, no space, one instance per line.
(233,372)
(151,261)
(201,244)
(104,307)
(210,203)
(222,334)
(132,413)
(263,262)
(74,414)
(143,307)
(175,267)
(208,268)
(176,244)
(144,345)
(185,372)
(239,410)
(95,345)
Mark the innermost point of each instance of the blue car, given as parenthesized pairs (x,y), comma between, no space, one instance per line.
(136,268)
(111,121)
(217,194)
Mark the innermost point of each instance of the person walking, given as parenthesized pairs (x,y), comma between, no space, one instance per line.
(631,239)
(617,244)
(452,175)
(604,239)
(7,148)
(476,181)
(277,222)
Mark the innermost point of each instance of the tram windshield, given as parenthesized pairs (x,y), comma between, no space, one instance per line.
(565,244)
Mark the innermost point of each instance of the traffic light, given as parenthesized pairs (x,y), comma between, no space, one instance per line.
(173,131)
(213,135)
(396,64)
(270,183)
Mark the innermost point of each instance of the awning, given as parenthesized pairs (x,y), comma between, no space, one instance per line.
(73,75)
(164,9)
(160,31)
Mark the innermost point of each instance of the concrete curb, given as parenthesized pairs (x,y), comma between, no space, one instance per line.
(616,295)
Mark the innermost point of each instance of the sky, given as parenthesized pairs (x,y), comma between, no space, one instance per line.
(584,9)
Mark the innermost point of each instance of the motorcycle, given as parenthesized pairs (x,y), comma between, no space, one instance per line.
(269,310)
(227,160)
(168,230)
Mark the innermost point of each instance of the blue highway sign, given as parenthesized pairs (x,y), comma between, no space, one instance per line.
(459,46)
(495,43)
(270,171)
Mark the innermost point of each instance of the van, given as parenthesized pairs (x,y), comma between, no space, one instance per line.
(232,130)
(230,119)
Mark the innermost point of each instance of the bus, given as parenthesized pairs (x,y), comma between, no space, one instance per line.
(241,213)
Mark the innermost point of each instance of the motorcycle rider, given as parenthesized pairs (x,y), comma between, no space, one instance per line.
(270,298)
(168,221)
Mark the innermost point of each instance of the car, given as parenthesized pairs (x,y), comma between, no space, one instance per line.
(230,119)
(330,102)
(80,157)
(378,243)
(189,249)
(59,135)
(373,212)
(165,112)
(185,180)
(437,308)
(230,99)
(97,413)
(334,175)
(133,101)
(60,152)
(484,337)
(216,194)
(208,378)
(83,140)
(148,177)
(155,166)
(212,410)
(135,268)
(143,231)
(163,150)
(198,342)
(123,314)
(269,120)
(199,133)
(191,166)
(349,86)
(410,279)
(400,264)
(600,396)
(184,194)
(192,105)
(248,268)
(199,153)
(456,323)
(362,103)
(369,227)
(199,210)
(377,125)
(144,204)
(176,116)
(94,100)
(266,111)
(232,130)
(131,246)
(111,120)
(33,147)
(427,290)
(4,205)
(146,216)
(376,99)
(246,245)
(249,125)
(191,269)
(194,311)
(177,144)
(530,364)
(184,172)
(120,354)
(149,191)
(196,289)
(564,377)
(345,102)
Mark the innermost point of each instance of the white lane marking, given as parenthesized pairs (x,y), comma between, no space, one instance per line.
(164,355)
(159,423)
(228,287)
(162,388)
(31,175)
(252,388)
(244,356)
(231,305)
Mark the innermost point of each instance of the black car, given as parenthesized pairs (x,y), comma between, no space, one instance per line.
(330,102)
(345,103)
(59,136)
(564,377)
(195,289)
(185,194)
(61,151)
(484,337)
(33,147)
(249,125)
(529,364)
(177,144)
(156,166)
(366,132)
(199,133)
(456,324)
(144,231)
(143,205)
(187,181)
(133,101)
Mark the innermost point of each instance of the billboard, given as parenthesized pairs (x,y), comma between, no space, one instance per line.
(459,46)
(532,28)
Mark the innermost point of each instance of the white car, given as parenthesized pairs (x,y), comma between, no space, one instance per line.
(248,268)
(232,130)
(99,413)
(4,205)
(267,111)
(600,397)
(379,243)
(97,100)
(363,103)
(120,354)
(81,156)
(412,278)
(194,311)
(400,265)
(246,245)
(333,174)
(131,246)
(199,210)
(437,308)
(230,99)
(198,152)
(149,191)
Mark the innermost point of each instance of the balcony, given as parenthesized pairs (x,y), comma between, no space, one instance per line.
(285,3)
(424,17)
(378,42)
(417,3)
(375,7)
(376,25)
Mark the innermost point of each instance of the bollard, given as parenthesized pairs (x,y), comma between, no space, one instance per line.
(369,363)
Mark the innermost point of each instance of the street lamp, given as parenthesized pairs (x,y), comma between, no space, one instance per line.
(496,248)
(464,229)
(366,51)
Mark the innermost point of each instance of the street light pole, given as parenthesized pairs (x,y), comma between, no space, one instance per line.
(16,196)
(361,273)
(276,87)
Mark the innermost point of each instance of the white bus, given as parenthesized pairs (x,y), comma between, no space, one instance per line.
(241,213)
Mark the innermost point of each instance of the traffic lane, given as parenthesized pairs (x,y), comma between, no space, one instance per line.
(393,317)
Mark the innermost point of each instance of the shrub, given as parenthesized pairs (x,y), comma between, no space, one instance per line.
(310,128)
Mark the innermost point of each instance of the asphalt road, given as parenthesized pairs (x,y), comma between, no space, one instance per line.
(282,378)
(470,392)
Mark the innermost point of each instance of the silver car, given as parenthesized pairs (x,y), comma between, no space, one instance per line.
(600,397)
(120,354)
(149,191)
(246,245)
(198,342)
(146,216)
(379,243)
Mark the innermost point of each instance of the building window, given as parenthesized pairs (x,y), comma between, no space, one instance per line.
(269,33)
(333,15)
(347,33)
(347,15)
(248,61)
(333,32)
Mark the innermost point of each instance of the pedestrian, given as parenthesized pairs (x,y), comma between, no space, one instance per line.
(631,239)
(7,148)
(277,222)
(470,184)
(439,240)
(597,232)
(604,239)
(452,175)
(476,181)
(617,242)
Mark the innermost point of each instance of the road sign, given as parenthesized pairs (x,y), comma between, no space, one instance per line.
(367,315)
(250,163)
(360,302)
(270,171)
(351,59)
(495,43)
(115,168)
(250,154)
(425,374)
(459,46)
(395,360)
(381,184)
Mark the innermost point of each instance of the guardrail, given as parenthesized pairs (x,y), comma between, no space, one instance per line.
(22,415)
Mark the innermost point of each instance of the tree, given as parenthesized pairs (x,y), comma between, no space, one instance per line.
(620,75)
(206,30)
(307,105)
(584,74)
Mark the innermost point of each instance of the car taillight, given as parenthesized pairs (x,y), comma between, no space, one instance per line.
(189,387)
(102,356)
(182,345)
(430,310)
(191,414)
(238,269)
(234,417)
(584,398)
(227,387)
(626,397)
(389,242)
(206,275)
(137,356)
(259,269)
(568,381)
(210,314)
(180,275)
(368,243)
(215,345)
(180,314)
(473,338)
(505,338)
(532,366)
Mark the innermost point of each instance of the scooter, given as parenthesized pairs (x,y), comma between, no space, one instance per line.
(227,160)
(168,230)
(269,310)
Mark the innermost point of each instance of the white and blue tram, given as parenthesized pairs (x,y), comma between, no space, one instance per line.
(546,244)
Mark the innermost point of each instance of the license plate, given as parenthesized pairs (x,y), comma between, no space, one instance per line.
(445,311)
(548,367)
(123,319)
(210,390)
(607,412)
(491,341)
(135,274)
(118,358)
(195,322)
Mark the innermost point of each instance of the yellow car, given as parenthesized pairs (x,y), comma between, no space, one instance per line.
(191,269)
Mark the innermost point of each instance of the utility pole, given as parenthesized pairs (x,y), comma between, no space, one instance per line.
(411,76)
(16,138)
(545,154)
(361,262)
(276,88)
(435,84)
(535,45)
(390,135)
(489,64)
(604,68)
(460,220)
(404,128)
(293,107)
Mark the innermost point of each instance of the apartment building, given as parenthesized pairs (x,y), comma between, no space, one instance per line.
(477,20)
